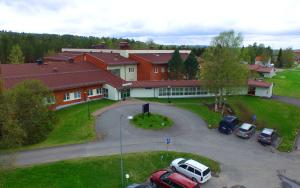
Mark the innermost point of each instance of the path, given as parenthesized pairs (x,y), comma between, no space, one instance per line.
(288,100)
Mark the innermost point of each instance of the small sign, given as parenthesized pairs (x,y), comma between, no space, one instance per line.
(146,108)
(168,140)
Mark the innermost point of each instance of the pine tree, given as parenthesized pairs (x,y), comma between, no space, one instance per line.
(16,55)
(279,62)
(191,66)
(175,66)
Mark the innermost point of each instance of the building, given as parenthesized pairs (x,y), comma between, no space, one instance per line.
(78,75)
(263,71)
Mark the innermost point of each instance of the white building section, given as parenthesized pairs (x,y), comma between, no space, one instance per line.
(126,72)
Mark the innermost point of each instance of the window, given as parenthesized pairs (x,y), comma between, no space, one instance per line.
(115,72)
(50,100)
(130,69)
(90,92)
(163,69)
(183,166)
(155,69)
(77,95)
(191,169)
(67,97)
(198,172)
(98,91)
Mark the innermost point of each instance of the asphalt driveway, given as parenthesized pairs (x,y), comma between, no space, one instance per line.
(243,162)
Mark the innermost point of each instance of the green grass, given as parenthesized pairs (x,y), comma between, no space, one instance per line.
(153,121)
(283,117)
(73,125)
(287,83)
(102,172)
(196,105)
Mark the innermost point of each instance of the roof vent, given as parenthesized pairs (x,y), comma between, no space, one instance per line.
(71,60)
(157,55)
(39,61)
(55,69)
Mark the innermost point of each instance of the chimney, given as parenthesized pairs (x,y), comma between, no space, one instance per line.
(55,69)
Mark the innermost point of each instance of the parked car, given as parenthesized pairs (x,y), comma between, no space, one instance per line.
(192,169)
(246,130)
(166,179)
(228,124)
(267,136)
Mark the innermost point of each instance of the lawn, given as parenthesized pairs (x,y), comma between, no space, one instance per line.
(151,121)
(73,125)
(102,172)
(283,117)
(287,83)
(196,105)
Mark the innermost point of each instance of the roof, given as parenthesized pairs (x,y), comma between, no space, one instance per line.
(158,58)
(64,56)
(257,83)
(246,126)
(165,83)
(196,164)
(59,75)
(267,131)
(113,58)
(258,58)
(259,68)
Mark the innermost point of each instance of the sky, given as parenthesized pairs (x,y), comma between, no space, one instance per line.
(274,23)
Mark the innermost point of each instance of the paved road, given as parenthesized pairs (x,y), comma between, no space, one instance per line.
(243,162)
(288,100)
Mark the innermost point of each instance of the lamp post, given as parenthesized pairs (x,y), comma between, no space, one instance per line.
(121,149)
(169,88)
(87,99)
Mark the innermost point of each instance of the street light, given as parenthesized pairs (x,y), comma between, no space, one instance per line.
(169,87)
(121,149)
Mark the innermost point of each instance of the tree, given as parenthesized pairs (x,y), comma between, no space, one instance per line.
(245,55)
(222,70)
(175,66)
(16,55)
(279,62)
(31,113)
(288,57)
(191,67)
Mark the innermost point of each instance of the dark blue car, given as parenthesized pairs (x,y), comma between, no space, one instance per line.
(228,124)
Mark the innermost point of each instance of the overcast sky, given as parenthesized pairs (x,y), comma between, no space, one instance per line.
(272,22)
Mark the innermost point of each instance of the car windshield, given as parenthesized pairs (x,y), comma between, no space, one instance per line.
(182,161)
(165,175)
(264,135)
(207,171)
(242,130)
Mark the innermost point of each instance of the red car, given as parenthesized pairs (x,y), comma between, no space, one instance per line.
(165,179)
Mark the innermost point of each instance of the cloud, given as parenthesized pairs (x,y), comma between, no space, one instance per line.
(178,22)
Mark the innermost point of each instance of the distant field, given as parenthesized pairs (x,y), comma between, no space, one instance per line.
(287,83)
(101,172)
(283,117)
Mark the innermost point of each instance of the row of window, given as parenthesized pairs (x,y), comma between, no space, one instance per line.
(77,94)
(162,69)
(182,91)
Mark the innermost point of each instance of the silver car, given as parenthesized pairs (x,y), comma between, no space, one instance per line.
(246,130)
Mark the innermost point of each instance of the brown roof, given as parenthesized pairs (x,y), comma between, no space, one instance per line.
(259,68)
(165,83)
(64,56)
(113,58)
(59,75)
(186,83)
(257,83)
(258,58)
(159,58)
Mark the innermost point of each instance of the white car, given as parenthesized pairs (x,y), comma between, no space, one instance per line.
(192,169)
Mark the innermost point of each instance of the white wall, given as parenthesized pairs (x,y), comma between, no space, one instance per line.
(124,71)
(269,75)
(142,92)
(113,93)
(264,92)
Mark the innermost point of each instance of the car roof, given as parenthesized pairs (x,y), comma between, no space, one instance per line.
(246,126)
(178,178)
(229,118)
(196,164)
(267,131)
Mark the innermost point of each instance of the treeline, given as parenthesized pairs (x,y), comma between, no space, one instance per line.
(34,46)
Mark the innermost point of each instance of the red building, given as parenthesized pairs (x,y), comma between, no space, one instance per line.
(153,66)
